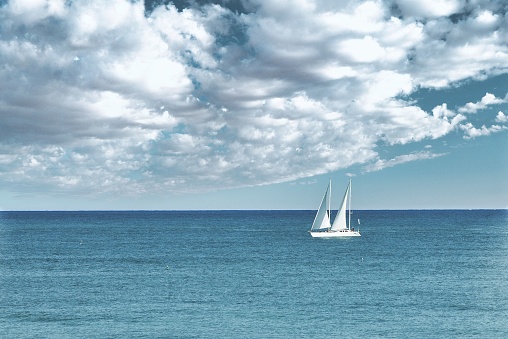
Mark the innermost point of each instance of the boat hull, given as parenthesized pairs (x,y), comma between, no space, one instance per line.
(336,234)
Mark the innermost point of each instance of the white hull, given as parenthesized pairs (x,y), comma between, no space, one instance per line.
(336,234)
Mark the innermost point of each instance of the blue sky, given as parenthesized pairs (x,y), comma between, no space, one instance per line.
(253,104)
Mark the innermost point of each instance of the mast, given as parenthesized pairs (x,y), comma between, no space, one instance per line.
(330,202)
(350,193)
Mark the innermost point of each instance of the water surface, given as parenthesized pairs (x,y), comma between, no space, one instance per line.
(257,274)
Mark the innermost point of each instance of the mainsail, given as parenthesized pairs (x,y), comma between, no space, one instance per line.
(322,219)
(340,219)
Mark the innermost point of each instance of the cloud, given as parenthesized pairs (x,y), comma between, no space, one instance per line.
(108,97)
(465,46)
(307,182)
(472,132)
(501,117)
(488,99)
(381,164)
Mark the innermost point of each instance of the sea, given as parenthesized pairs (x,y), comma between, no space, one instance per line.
(253,274)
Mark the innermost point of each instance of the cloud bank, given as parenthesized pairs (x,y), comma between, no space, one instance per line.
(110,97)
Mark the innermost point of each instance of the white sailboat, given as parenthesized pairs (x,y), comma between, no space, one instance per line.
(321,227)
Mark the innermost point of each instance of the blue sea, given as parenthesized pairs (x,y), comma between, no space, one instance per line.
(252,274)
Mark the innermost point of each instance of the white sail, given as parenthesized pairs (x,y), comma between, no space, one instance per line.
(322,219)
(340,219)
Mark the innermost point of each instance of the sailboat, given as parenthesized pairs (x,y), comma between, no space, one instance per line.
(321,227)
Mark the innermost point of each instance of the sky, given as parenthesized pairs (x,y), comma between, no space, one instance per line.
(252,104)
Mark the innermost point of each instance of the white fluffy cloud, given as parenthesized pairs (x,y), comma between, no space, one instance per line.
(501,117)
(473,132)
(488,99)
(107,97)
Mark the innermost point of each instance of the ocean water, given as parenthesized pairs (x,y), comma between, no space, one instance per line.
(252,274)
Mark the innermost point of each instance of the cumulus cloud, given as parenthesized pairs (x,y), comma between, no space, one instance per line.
(111,97)
(472,132)
(488,99)
(501,117)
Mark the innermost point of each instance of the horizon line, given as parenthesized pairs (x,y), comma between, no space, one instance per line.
(257,210)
